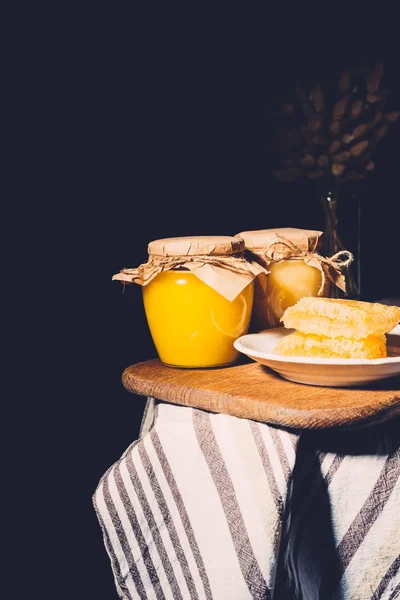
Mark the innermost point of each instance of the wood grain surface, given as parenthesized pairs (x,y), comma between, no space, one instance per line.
(254,392)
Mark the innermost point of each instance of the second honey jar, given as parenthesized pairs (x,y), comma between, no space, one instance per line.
(295,269)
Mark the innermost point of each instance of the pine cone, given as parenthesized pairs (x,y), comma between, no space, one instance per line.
(330,128)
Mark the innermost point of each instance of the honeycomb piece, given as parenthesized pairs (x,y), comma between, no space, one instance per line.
(340,317)
(301,344)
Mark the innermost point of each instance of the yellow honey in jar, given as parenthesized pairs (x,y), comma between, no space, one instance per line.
(287,282)
(198,295)
(191,324)
(286,253)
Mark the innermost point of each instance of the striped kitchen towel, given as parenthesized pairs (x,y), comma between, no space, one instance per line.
(342,540)
(209,506)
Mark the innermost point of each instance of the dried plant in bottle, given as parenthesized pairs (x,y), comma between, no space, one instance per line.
(327,132)
(330,128)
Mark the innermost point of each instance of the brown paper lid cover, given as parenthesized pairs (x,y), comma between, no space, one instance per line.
(273,245)
(196,245)
(263,238)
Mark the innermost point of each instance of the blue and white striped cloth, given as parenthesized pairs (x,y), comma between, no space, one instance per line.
(209,506)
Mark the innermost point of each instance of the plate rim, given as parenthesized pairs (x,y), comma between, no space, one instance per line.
(271,356)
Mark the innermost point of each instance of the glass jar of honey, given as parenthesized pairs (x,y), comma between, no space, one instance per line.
(198,297)
(295,269)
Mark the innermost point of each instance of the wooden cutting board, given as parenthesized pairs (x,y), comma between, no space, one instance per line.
(252,391)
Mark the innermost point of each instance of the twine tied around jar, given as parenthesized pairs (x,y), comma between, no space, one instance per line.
(331,267)
(143,274)
(228,275)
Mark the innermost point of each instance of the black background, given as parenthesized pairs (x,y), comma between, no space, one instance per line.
(130,123)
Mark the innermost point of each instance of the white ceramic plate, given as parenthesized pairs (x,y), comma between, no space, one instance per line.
(332,372)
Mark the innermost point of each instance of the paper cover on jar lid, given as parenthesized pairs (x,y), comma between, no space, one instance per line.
(269,246)
(196,245)
(218,261)
(263,239)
